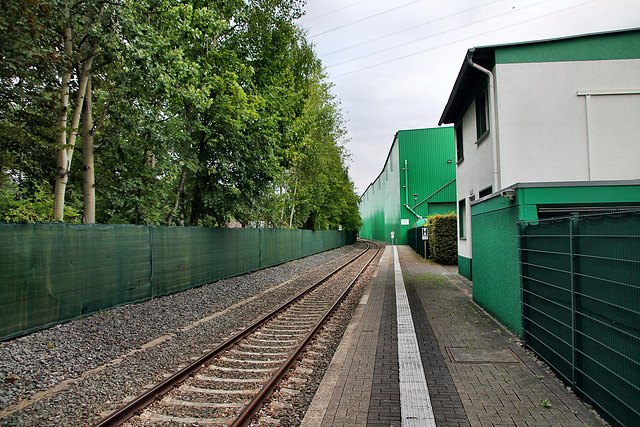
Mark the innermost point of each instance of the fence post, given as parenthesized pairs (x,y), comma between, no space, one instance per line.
(573,224)
(520,227)
(151,266)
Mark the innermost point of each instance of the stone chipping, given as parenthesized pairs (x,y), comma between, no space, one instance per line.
(75,373)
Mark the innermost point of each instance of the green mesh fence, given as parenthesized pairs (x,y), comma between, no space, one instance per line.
(52,273)
(581,306)
(417,241)
(278,246)
(184,257)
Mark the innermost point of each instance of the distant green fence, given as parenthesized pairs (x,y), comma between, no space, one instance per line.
(417,240)
(581,306)
(52,273)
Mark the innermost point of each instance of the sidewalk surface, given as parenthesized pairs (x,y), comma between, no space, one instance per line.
(476,371)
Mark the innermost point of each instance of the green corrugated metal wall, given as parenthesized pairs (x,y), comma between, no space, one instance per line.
(430,171)
(390,179)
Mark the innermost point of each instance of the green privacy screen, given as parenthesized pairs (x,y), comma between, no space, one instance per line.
(581,305)
(52,273)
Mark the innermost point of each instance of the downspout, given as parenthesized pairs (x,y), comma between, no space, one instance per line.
(406,183)
(492,114)
(412,211)
(406,190)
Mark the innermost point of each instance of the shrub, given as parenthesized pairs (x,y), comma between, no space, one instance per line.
(16,206)
(443,238)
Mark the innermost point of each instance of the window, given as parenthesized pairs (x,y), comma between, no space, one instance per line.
(485,192)
(459,149)
(482,114)
(461,215)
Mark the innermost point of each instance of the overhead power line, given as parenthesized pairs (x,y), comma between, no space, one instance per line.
(404,30)
(365,18)
(459,40)
(433,35)
(334,11)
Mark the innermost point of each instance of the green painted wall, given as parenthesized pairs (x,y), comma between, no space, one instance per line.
(496,268)
(464,267)
(619,45)
(581,195)
(495,247)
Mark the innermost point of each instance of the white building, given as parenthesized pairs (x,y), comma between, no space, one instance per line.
(555,111)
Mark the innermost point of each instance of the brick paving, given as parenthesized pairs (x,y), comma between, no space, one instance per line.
(477,373)
(384,409)
(356,379)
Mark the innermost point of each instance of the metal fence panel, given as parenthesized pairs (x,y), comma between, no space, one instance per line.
(415,241)
(581,305)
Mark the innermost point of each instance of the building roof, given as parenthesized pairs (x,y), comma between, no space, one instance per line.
(468,80)
(594,46)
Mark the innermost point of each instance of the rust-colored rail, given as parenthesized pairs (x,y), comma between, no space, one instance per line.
(137,405)
(256,403)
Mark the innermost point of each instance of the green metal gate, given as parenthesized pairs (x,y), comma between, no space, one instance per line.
(581,306)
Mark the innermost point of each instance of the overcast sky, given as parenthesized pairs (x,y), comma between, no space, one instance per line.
(394,62)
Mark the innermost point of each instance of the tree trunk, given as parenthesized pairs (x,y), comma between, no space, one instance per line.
(196,208)
(179,191)
(65,153)
(88,177)
(283,188)
(293,205)
(61,175)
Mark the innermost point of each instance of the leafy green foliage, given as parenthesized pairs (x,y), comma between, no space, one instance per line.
(16,206)
(204,113)
(443,239)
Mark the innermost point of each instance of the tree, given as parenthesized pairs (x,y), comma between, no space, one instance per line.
(27,108)
(87,29)
(189,112)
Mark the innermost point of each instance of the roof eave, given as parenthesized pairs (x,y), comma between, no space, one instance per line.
(466,81)
(444,118)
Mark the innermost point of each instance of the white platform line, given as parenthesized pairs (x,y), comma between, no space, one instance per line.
(415,402)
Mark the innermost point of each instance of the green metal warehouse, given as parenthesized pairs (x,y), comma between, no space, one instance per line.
(418,179)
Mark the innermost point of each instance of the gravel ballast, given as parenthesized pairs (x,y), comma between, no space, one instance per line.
(72,374)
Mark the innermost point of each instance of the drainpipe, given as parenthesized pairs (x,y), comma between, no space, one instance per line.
(412,211)
(406,183)
(406,190)
(492,114)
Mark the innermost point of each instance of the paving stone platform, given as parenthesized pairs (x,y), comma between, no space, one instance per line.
(476,371)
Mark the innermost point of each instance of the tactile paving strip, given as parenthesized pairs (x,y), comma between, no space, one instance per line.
(414,394)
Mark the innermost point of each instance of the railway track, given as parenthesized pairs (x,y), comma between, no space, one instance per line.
(229,385)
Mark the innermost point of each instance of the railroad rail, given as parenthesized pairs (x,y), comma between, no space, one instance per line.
(229,385)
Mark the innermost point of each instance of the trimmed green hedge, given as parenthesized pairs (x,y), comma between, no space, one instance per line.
(443,238)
